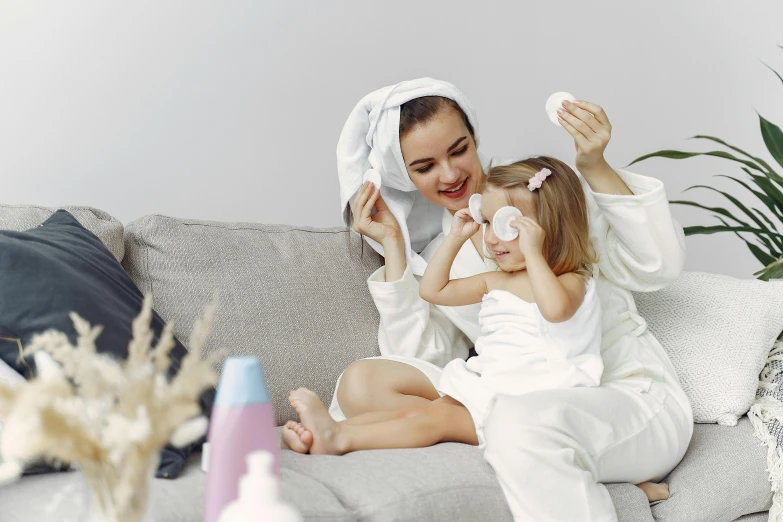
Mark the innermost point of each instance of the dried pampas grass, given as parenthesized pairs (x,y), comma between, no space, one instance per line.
(109,418)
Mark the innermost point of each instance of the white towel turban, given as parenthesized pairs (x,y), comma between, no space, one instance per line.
(371,139)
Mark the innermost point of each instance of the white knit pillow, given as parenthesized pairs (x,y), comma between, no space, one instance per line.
(718,331)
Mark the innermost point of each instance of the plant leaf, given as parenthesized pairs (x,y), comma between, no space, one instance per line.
(736,149)
(717,210)
(773,226)
(743,208)
(774,71)
(773,139)
(769,188)
(676,154)
(764,198)
(722,212)
(751,245)
(762,256)
(695,230)
(772,271)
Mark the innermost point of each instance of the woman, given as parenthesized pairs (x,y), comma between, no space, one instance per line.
(551,450)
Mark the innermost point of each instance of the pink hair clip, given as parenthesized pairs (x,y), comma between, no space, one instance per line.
(536,181)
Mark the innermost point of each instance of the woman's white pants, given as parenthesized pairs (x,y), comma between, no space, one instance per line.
(551,450)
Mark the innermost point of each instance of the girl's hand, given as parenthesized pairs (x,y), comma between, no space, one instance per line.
(531,236)
(463,226)
(381,226)
(591,130)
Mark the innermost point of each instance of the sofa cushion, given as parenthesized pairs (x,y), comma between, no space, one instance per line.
(722,477)
(61,267)
(108,229)
(447,482)
(59,497)
(717,331)
(296,297)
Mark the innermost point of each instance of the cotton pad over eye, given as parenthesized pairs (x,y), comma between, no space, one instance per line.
(501,223)
(374,177)
(555,102)
(474,204)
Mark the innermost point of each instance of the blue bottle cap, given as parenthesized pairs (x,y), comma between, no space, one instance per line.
(241,383)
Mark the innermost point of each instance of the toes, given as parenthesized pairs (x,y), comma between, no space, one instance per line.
(306,436)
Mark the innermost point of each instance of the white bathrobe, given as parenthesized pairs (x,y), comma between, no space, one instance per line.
(552,449)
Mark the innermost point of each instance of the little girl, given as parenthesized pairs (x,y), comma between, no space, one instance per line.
(540,317)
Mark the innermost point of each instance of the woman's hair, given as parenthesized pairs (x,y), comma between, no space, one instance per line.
(419,111)
(561,207)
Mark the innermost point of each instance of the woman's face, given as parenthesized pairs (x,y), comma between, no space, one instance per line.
(507,254)
(442,161)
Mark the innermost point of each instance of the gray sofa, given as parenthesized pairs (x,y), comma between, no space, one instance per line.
(296,297)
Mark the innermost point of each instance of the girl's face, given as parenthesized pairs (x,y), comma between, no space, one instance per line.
(506,253)
(442,161)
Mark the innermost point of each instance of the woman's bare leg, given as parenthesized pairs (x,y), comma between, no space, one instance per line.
(440,421)
(377,384)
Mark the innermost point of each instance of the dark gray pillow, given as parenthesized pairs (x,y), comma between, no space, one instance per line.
(60,267)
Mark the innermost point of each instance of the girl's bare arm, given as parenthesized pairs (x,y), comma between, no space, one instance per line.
(435,286)
(557,297)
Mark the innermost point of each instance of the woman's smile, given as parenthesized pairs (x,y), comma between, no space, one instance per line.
(457,191)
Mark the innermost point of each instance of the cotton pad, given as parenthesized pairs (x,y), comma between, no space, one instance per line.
(474,204)
(374,177)
(501,223)
(555,102)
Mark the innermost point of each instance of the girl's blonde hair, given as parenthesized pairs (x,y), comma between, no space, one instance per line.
(562,210)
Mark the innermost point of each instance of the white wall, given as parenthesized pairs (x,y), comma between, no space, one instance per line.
(232,112)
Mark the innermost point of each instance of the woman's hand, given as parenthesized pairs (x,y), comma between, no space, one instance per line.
(531,236)
(381,226)
(463,226)
(591,130)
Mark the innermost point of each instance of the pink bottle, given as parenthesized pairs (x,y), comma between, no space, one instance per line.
(243,422)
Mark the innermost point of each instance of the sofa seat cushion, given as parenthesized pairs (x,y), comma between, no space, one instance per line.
(295,297)
(722,477)
(59,497)
(447,482)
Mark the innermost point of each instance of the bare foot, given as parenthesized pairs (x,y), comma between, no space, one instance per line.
(315,418)
(296,437)
(654,491)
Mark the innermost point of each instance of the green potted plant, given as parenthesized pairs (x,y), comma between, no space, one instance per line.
(764,182)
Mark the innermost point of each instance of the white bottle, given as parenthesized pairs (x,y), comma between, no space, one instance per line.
(259,495)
